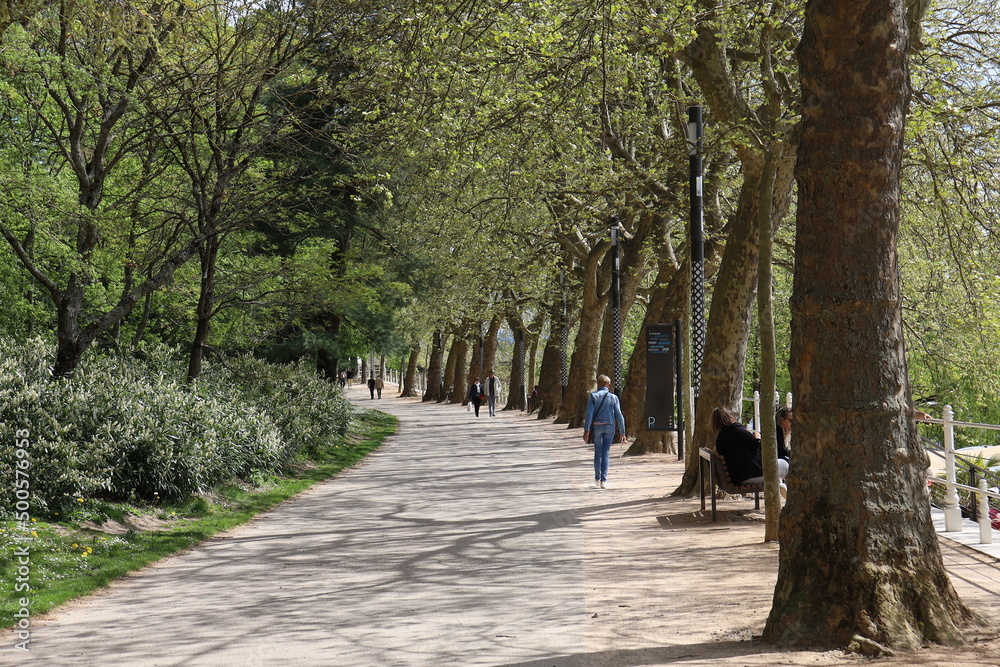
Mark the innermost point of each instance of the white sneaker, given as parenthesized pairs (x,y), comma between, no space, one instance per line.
(604,485)
(597,481)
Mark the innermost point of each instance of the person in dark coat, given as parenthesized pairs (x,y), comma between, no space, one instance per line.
(371,386)
(476,394)
(741,450)
(783,431)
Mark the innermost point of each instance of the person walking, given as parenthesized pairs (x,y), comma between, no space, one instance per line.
(492,390)
(476,394)
(371,386)
(604,414)
(379,386)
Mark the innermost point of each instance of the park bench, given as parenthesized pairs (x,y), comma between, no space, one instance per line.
(718,476)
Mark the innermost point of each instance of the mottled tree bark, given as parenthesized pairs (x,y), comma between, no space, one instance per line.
(583,367)
(435,372)
(729,320)
(459,387)
(515,386)
(448,376)
(550,373)
(409,380)
(860,561)
(490,346)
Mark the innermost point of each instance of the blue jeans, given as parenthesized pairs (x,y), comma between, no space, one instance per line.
(603,435)
(492,402)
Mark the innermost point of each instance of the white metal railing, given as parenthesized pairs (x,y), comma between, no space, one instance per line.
(952,511)
(982,495)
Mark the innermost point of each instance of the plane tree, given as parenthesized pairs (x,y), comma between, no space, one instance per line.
(860,562)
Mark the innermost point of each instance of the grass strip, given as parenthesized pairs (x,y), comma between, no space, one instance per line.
(68,560)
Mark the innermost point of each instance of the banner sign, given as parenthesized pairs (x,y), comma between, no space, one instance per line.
(661,350)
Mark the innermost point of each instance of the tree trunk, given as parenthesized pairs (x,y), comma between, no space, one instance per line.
(448,376)
(860,561)
(583,367)
(532,372)
(327,363)
(515,386)
(206,306)
(728,323)
(550,387)
(409,380)
(140,329)
(550,378)
(534,336)
(458,379)
(490,346)
(434,370)
(768,353)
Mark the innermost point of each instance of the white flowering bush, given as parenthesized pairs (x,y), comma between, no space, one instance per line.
(308,410)
(134,428)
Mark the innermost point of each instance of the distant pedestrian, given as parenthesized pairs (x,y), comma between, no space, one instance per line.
(492,389)
(379,386)
(604,414)
(476,394)
(342,379)
(371,386)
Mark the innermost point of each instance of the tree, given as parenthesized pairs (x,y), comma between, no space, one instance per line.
(409,388)
(435,372)
(516,399)
(860,560)
(711,56)
(82,81)
(227,64)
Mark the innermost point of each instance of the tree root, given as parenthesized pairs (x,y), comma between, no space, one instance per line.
(868,647)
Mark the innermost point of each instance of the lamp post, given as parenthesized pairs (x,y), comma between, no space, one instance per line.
(695,131)
(616,306)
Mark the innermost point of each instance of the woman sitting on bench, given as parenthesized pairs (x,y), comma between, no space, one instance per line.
(741,450)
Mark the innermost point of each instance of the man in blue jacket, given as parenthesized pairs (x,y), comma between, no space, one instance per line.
(604,414)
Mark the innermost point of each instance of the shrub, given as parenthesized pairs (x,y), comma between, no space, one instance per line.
(132,428)
(308,410)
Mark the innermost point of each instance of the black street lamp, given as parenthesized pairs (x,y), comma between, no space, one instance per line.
(695,132)
(616,306)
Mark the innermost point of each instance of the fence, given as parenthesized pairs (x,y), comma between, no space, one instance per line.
(952,508)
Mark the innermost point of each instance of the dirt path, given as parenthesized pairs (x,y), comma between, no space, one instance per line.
(468,541)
